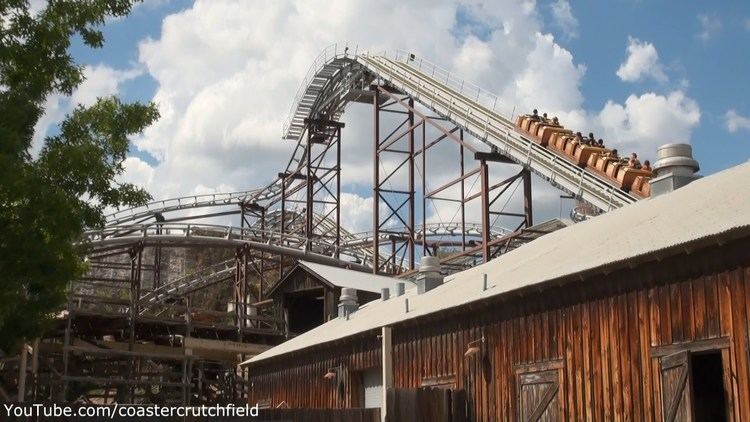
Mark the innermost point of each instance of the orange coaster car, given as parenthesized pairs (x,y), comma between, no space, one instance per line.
(626,176)
(583,153)
(546,133)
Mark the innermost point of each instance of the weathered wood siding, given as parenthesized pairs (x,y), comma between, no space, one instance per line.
(606,336)
(300,383)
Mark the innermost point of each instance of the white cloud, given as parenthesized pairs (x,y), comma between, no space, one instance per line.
(643,61)
(356,212)
(36,6)
(137,172)
(645,122)
(709,26)
(736,122)
(564,18)
(225,87)
(99,81)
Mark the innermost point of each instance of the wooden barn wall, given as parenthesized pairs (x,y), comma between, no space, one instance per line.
(601,332)
(300,384)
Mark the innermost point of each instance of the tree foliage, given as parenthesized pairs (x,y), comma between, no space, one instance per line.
(48,200)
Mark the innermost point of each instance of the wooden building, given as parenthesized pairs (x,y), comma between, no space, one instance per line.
(309,294)
(638,314)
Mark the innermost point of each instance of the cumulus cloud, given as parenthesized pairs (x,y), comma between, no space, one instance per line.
(137,172)
(642,62)
(647,121)
(99,81)
(225,87)
(356,212)
(709,26)
(564,18)
(735,121)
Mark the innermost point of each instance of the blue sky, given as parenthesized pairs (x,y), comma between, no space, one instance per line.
(207,62)
(717,69)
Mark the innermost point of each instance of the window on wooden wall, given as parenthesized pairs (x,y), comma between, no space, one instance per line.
(692,386)
(538,390)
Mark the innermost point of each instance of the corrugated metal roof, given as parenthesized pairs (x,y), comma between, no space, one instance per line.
(706,208)
(342,277)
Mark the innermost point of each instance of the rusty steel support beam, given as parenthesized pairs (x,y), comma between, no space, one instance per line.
(527,203)
(240,288)
(259,213)
(282,223)
(323,181)
(411,234)
(376,182)
(484,190)
(400,201)
(463,190)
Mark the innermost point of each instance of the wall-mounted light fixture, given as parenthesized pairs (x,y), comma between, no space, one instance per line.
(335,375)
(331,374)
(475,348)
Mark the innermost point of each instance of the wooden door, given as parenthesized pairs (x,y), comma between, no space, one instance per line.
(677,387)
(539,396)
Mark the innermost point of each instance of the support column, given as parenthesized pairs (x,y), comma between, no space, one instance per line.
(527,208)
(463,191)
(376,182)
(309,192)
(282,222)
(386,353)
(411,228)
(425,246)
(240,289)
(483,174)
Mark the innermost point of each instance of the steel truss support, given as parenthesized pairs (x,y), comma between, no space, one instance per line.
(259,213)
(323,180)
(393,204)
(157,253)
(319,177)
(241,288)
(399,200)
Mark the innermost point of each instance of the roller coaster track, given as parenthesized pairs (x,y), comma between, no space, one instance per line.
(441,95)
(335,79)
(356,246)
(474,110)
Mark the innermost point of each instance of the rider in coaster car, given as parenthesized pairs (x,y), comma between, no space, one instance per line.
(633,161)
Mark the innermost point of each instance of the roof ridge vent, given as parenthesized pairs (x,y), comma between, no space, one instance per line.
(347,302)
(429,275)
(674,167)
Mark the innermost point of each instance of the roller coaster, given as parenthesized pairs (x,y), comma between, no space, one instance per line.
(175,293)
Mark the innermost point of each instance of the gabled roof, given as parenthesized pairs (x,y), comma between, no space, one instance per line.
(710,209)
(341,277)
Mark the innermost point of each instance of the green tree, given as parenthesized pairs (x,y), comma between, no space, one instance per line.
(47,201)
